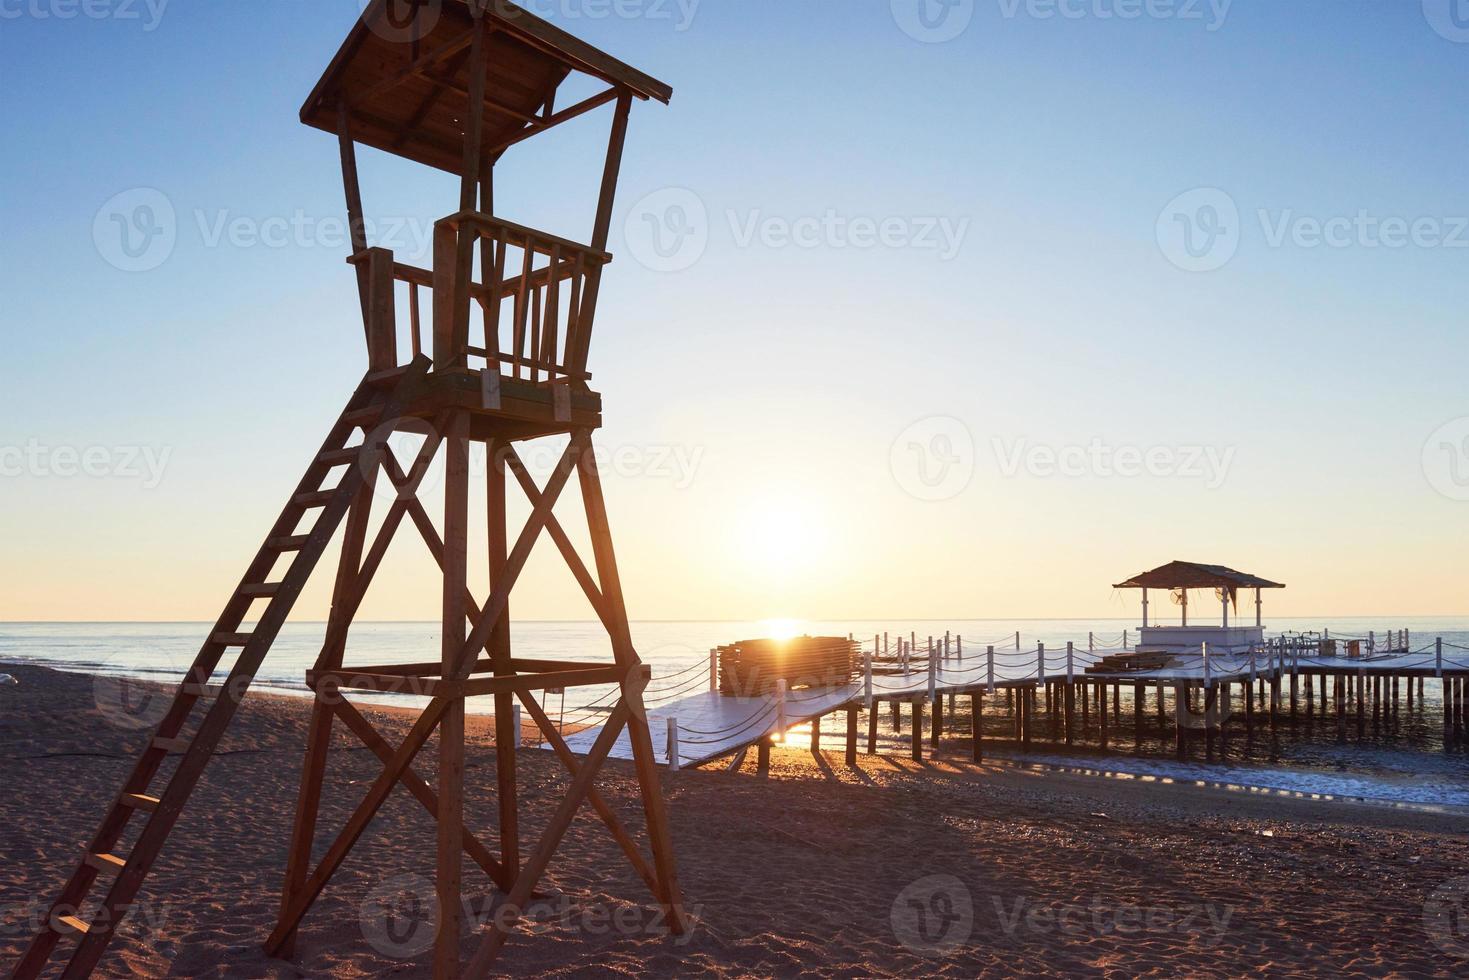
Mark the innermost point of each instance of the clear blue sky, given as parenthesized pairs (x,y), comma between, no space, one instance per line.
(1055,142)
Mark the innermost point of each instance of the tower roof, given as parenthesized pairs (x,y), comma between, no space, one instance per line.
(405,78)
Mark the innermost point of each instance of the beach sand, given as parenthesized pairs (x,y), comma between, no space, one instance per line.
(892,869)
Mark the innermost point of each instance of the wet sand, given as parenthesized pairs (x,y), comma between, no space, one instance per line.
(894,868)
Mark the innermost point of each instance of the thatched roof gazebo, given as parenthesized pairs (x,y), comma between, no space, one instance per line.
(1177,578)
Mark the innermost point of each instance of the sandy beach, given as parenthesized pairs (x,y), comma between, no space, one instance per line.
(895,868)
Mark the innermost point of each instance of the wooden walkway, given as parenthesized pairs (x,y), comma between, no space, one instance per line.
(699,727)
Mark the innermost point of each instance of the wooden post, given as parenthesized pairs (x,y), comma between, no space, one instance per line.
(937,726)
(1027,699)
(451,727)
(507,733)
(1137,716)
(1068,695)
(1339,692)
(976,710)
(867,680)
(873,710)
(780,708)
(1362,716)
(917,729)
(851,734)
(623,651)
(672,744)
(936,729)
(1211,694)
(446,293)
(1102,714)
(382,326)
(1294,686)
(816,736)
(1179,731)
(762,757)
(356,223)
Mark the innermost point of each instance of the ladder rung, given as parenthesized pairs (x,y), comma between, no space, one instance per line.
(140,801)
(293,543)
(107,863)
(69,924)
(230,639)
(319,498)
(340,457)
(364,416)
(261,590)
(171,744)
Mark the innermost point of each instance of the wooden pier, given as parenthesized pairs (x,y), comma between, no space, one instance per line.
(1064,697)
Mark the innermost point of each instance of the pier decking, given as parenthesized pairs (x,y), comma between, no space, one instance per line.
(1287,675)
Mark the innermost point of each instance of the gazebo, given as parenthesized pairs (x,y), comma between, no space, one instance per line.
(1178,577)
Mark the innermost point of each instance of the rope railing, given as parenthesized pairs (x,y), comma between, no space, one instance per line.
(942,665)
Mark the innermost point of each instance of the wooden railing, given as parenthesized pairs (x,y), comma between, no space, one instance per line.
(536,298)
(535,294)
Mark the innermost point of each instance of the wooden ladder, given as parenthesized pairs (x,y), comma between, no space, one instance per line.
(377,401)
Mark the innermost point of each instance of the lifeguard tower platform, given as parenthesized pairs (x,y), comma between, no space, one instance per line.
(489,345)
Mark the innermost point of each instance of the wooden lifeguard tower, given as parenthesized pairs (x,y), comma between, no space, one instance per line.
(500,357)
